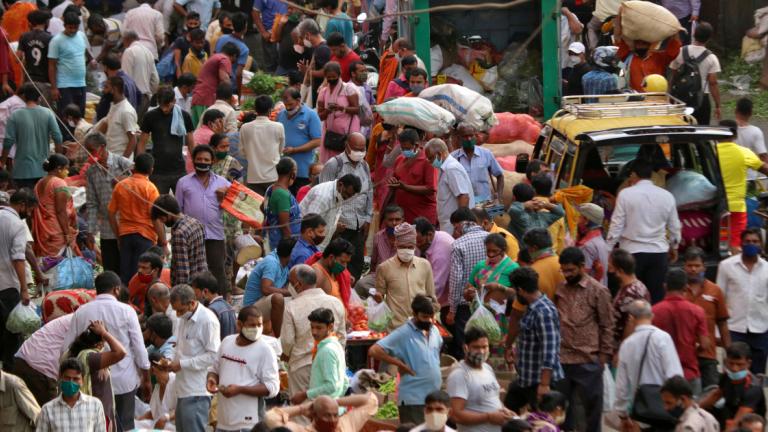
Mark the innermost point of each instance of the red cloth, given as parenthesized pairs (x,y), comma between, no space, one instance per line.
(738,225)
(59,303)
(344,62)
(656,62)
(303,191)
(416,172)
(684,321)
(388,66)
(344,279)
(137,291)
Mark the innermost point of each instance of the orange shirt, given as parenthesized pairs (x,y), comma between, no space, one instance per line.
(15,21)
(134,211)
(655,62)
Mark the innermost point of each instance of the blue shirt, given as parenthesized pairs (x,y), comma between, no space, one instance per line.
(299,130)
(70,53)
(203,7)
(166,350)
(599,82)
(244,51)
(480,168)
(301,252)
(538,343)
(268,9)
(268,268)
(421,354)
(226,316)
(341,24)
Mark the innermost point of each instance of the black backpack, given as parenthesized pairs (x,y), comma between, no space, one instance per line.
(686,85)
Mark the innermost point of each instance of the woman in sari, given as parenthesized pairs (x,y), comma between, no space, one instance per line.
(54,221)
(281,208)
(338,107)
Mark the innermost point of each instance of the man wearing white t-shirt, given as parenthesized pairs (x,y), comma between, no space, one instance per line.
(121,124)
(709,67)
(244,370)
(749,136)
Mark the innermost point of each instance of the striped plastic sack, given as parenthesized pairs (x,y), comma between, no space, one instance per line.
(418,113)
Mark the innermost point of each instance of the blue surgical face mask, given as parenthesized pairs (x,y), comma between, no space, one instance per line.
(750,250)
(409,154)
(437,163)
(736,376)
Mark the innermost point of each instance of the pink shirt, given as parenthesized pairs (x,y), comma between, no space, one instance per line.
(208,79)
(41,351)
(202,135)
(148,24)
(439,255)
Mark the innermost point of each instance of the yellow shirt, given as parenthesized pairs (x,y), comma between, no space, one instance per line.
(734,161)
(550,277)
(513,248)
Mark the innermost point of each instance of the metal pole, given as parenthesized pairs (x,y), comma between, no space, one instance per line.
(550,58)
(421,29)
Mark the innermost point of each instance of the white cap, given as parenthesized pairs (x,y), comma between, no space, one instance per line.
(576,47)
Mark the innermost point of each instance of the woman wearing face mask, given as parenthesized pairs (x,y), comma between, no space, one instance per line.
(338,107)
(474,391)
(88,349)
(491,276)
(413,183)
(281,209)
(54,220)
(550,413)
(240,384)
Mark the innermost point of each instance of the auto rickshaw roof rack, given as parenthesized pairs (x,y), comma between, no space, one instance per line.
(623,105)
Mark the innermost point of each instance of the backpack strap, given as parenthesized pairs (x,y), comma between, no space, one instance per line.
(686,55)
(703,56)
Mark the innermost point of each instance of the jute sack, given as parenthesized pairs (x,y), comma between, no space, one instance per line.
(646,21)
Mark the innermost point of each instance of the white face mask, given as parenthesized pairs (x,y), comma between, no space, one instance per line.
(435,421)
(405,255)
(560,419)
(252,333)
(71,123)
(356,156)
(574,59)
(298,48)
(307,43)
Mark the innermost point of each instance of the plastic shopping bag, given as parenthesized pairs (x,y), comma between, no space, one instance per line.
(484,319)
(23,320)
(356,313)
(73,272)
(379,316)
(609,389)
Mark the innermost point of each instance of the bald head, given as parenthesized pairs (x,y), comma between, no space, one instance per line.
(159,296)
(302,277)
(356,141)
(325,408)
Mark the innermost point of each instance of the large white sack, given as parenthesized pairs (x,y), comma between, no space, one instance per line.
(459,72)
(469,107)
(416,112)
(646,21)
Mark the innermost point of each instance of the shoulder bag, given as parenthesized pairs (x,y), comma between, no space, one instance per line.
(647,406)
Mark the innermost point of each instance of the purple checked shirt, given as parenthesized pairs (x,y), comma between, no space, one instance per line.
(199,202)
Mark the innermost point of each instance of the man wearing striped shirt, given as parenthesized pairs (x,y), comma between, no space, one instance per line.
(72,410)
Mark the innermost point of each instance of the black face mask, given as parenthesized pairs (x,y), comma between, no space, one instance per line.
(521,299)
(422,325)
(641,52)
(333,82)
(202,167)
(226,30)
(677,411)
(170,223)
(573,280)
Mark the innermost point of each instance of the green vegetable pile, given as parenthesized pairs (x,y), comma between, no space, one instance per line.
(265,84)
(388,387)
(387,411)
(484,320)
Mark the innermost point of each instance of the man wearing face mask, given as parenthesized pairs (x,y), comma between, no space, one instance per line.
(355,214)
(417,81)
(437,405)
(741,278)
(383,247)
(148,272)
(244,370)
(199,195)
(740,388)
(453,183)
(72,406)
(312,235)
(403,277)
(188,254)
(326,200)
(679,402)
(577,57)
(342,54)
(645,61)
(479,164)
(207,292)
(303,131)
(414,348)
(586,318)
(474,391)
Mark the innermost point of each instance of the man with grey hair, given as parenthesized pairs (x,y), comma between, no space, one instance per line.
(159,297)
(139,63)
(649,348)
(309,31)
(197,348)
(356,213)
(98,193)
(454,188)
(295,334)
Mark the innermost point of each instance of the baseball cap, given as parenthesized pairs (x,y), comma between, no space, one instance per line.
(577,48)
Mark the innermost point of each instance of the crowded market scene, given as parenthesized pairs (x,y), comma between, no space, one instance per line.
(386,215)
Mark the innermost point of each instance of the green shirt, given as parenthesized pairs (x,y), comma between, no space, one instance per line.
(32,129)
(280,200)
(329,370)
(482,273)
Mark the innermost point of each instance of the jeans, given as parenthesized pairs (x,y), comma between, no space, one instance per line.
(758,343)
(110,255)
(70,95)
(651,268)
(456,347)
(357,238)
(216,255)
(11,342)
(192,413)
(270,55)
(124,410)
(584,381)
(165,182)
(131,247)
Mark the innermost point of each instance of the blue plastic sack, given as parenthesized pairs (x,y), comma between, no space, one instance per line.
(73,272)
(691,188)
(166,67)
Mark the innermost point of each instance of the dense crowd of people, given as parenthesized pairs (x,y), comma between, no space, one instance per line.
(193,318)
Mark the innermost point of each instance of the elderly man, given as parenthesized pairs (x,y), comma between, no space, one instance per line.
(324,413)
(479,164)
(356,213)
(295,335)
(453,184)
(404,276)
(326,199)
(591,241)
(198,346)
(159,298)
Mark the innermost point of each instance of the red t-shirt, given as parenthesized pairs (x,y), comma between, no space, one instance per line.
(684,321)
(208,79)
(345,61)
(416,172)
